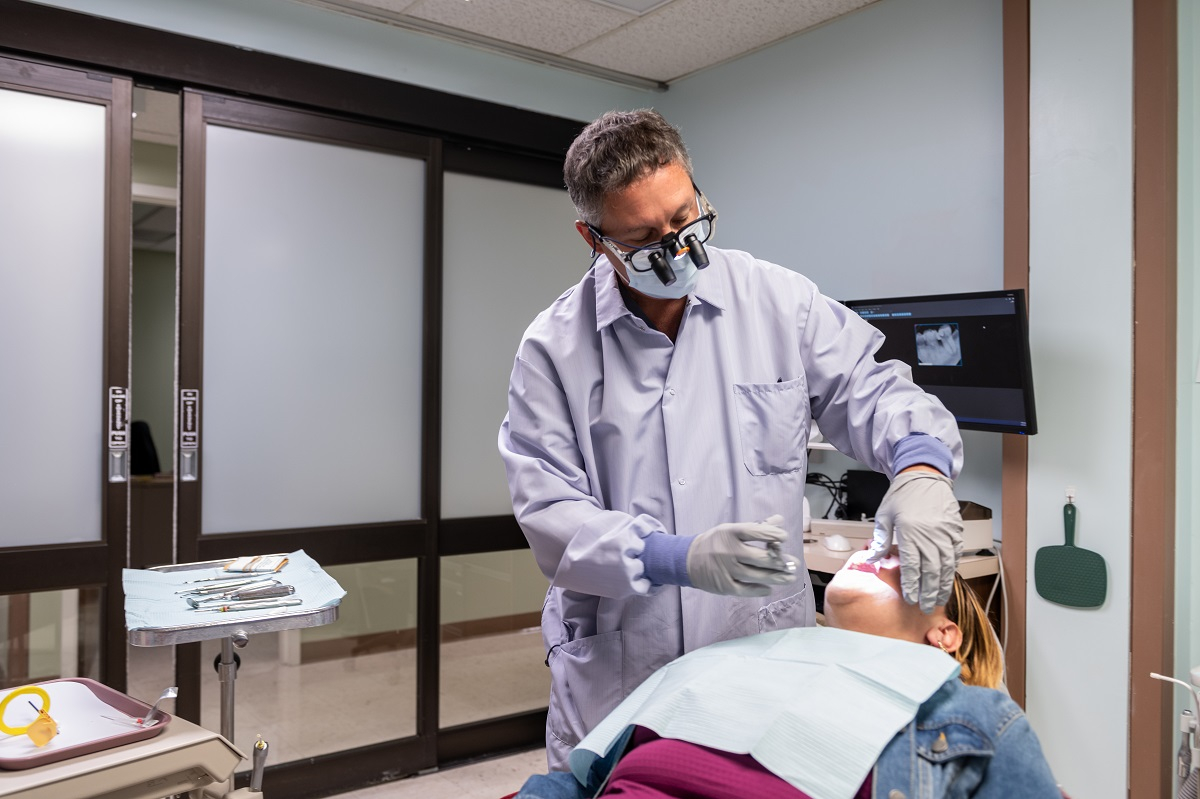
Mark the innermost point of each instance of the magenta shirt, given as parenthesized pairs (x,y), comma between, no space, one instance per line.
(663,768)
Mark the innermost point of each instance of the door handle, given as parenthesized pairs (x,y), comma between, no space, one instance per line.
(189,434)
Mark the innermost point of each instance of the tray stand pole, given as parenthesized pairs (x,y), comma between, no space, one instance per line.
(227,676)
(227,666)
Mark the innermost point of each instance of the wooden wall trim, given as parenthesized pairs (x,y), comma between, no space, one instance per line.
(1015,452)
(1152,515)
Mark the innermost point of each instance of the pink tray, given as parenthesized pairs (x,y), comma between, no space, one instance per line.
(114,699)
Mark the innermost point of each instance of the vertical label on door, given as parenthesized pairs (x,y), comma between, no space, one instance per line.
(118,418)
(189,418)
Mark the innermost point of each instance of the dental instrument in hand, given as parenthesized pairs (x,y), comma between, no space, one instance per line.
(266,592)
(264,605)
(782,559)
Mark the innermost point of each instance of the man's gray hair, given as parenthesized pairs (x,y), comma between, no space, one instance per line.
(615,151)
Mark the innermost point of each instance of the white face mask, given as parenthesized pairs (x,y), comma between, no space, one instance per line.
(648,283)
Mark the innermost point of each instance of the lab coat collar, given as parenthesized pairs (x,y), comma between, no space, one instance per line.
(610,305)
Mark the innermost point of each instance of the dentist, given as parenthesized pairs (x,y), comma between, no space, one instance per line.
(658,417)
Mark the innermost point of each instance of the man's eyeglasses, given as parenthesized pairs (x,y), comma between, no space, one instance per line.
(688,240)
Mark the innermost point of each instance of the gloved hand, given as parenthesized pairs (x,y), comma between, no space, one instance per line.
(722,561)
(920,510)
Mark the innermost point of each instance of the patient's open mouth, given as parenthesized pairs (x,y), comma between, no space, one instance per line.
(862,566)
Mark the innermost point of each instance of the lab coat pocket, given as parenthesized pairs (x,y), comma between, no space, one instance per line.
(585,684)
(795,610)
(773,423)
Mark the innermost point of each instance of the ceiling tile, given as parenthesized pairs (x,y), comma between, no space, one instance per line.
(688,35)
(549,26)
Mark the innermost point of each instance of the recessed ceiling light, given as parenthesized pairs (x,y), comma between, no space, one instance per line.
(638,7)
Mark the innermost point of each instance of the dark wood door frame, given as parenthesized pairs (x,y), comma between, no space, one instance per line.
(1155,297)
(1015,449)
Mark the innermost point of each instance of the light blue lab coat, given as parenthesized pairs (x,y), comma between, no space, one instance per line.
(614,432)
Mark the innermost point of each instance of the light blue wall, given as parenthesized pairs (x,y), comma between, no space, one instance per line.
(868,155)
(307,33)
(1081,241)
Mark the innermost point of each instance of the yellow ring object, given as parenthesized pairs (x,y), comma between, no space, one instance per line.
(28,689)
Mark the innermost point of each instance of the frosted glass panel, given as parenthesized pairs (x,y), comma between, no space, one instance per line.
(52,164)
(311,408)
(510,249)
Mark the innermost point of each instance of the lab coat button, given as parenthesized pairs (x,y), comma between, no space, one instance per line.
(682,481)
(671,391)
(896,794)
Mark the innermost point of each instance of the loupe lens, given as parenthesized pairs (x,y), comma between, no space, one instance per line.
(697,252)
(662,269)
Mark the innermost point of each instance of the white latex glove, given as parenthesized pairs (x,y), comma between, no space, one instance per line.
(723,561)
(920,511)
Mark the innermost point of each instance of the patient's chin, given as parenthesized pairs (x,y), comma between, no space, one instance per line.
(861,582)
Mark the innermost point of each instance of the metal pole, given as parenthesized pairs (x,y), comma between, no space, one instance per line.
(227,673)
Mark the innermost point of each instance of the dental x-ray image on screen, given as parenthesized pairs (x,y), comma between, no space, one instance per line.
(937,345)
(982,336)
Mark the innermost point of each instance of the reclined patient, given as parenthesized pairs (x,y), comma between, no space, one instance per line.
(884,702)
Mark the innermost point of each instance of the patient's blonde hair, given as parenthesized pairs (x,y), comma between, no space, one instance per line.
(979,653)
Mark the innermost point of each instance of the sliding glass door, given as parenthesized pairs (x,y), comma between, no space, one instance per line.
(301,400)
(64,411)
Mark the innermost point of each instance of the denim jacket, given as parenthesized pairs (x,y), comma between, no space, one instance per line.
(989,751)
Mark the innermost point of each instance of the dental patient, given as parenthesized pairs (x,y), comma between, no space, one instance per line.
(883,702)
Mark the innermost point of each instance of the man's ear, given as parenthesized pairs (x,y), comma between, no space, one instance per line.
(945,635)
(588,236)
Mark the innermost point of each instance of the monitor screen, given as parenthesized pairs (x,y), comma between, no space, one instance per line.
(971,351)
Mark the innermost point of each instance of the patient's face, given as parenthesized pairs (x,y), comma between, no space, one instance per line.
(866,598)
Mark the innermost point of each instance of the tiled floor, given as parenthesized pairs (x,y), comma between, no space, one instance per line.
(489,779)
(333,705)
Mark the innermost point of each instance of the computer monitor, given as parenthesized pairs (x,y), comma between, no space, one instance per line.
(970,350)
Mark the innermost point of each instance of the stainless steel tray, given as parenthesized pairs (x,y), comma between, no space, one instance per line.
(245,622)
